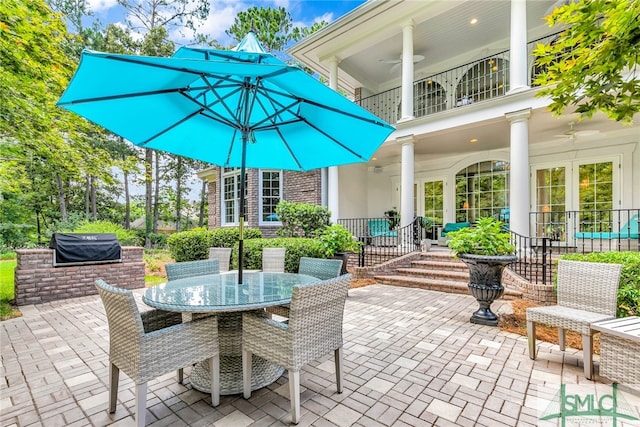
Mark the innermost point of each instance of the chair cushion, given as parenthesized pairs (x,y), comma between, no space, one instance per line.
(454,226)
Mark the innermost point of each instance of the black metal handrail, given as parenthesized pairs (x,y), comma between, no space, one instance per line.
(534,258)
(382,244)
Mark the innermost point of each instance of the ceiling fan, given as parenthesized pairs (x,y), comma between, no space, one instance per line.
(396,63)
(572,133)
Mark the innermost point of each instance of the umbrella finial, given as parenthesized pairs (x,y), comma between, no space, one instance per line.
(250,43)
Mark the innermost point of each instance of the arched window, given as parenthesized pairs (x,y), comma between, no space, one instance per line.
(428,97)
(482,189)
(486,79)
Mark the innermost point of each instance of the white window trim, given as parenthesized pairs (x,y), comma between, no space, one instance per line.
(260,221)
(223,213)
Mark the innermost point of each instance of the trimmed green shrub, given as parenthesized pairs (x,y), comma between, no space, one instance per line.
(194,244)
(189,245)
(125,237)
(296,247)
(158,241)
(301,219)
(228,236)
(629,291)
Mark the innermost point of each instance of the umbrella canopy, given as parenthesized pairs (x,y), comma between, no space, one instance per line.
(240,108)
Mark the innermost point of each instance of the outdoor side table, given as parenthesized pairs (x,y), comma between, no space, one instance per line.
(220,294)
(620,349)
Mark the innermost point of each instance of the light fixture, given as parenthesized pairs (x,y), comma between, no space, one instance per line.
(490,62)
(546,208)
(473,21)
(465,205)
(473,140)
(495,68)
(373,159)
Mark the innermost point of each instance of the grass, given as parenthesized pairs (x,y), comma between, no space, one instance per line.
(7,267)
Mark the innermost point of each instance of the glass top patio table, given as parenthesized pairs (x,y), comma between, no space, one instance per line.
(221,293)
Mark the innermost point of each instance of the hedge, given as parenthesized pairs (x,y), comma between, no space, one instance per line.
(194,244)
(296,247)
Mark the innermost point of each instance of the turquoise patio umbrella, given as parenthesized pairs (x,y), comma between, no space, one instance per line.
(240,108)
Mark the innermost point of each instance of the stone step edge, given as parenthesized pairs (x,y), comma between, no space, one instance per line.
(436,285)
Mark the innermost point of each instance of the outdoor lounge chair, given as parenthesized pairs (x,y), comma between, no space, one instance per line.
(313,330)
(627,231)
(153,343)
(273,260)
(223,255)
(587,293)
(380,233)
(181,270)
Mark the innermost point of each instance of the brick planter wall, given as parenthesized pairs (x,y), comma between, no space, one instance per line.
(37,281)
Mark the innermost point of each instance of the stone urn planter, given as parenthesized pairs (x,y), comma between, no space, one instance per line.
(486,248)
(485,283)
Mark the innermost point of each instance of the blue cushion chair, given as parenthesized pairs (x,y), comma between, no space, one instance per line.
(627,231)
(380,233)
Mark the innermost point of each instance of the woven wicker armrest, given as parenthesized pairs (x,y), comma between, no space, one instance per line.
(153,320)
(178,346)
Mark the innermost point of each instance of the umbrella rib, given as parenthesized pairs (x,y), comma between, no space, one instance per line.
(123,96)
(167,129)
(286,144)
(333,139)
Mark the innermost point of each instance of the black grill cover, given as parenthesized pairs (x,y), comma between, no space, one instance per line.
(75,249)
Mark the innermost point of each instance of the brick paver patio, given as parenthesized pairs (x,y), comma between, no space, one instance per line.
(411,359)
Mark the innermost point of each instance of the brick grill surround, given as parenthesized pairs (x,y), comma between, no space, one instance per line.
(37,281)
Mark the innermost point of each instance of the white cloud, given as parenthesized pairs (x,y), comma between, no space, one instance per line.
(101,5)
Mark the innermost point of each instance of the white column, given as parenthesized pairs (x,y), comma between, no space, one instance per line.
(518,53)
(407,72)
(333,194)
(406,181)
(519,193)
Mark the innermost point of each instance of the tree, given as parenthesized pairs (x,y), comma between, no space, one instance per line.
(593,63)
(273,27)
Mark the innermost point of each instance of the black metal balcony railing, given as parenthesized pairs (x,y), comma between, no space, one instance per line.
(473,82)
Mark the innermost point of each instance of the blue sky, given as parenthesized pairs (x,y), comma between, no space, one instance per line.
(223,12)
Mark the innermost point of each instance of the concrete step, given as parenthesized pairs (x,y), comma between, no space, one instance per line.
(441,285)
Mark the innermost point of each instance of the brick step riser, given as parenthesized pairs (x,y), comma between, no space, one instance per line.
(437,285)
(449,275)
(439,265)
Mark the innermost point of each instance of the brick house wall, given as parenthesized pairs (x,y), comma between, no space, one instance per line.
(297,187)
(37,281)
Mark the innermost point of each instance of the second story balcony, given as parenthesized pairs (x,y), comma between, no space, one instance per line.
(470,83)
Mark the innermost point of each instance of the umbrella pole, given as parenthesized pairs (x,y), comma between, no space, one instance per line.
(242,207)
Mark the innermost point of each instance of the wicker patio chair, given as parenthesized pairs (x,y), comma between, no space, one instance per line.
(313,330)
(223,255)
(273,260)
(317,267)
(181,270)
(587,293)
(321,268)
(153,343)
